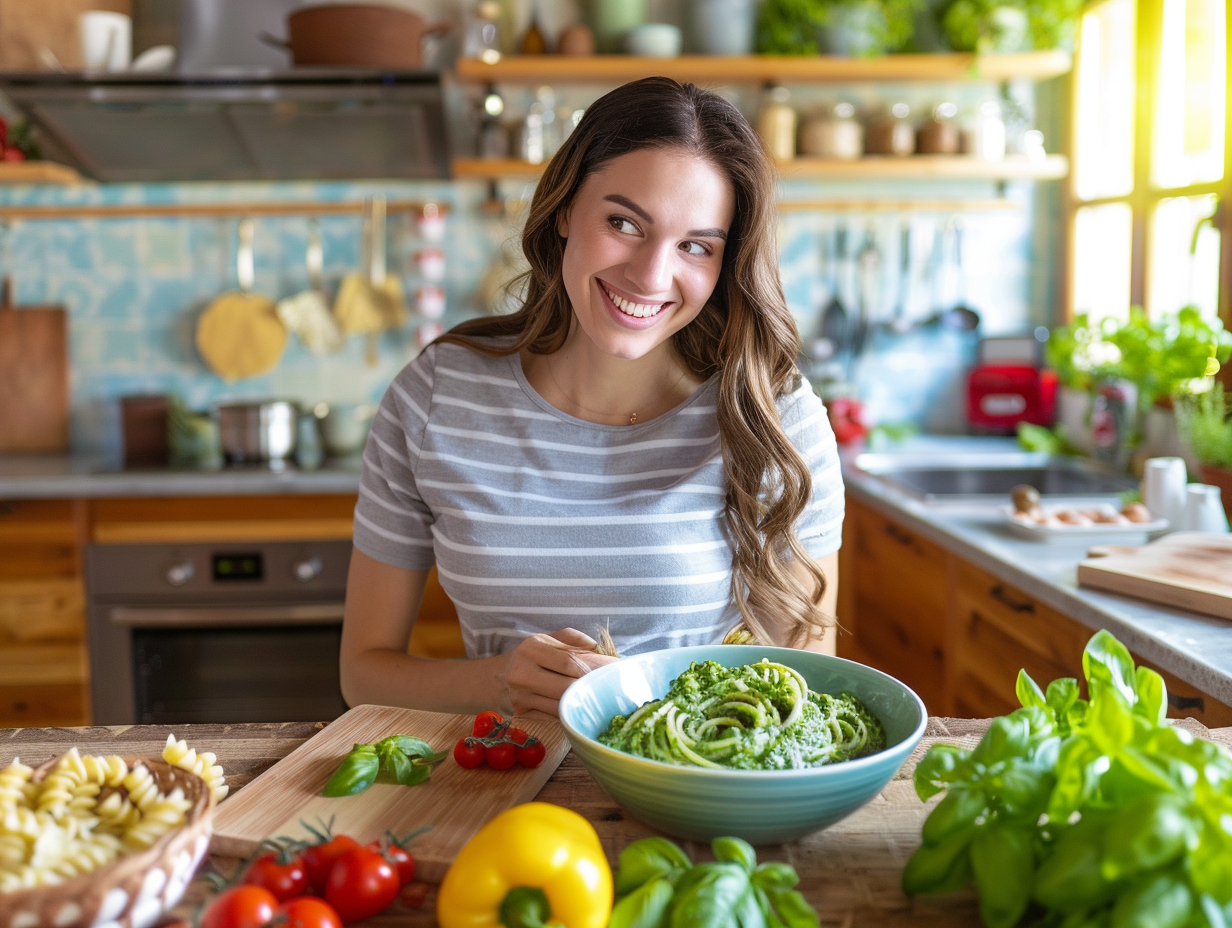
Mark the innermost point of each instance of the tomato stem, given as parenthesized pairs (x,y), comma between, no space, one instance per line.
(525,907)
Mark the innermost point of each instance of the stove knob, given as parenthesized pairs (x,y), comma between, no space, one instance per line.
(310,569)
(179,574)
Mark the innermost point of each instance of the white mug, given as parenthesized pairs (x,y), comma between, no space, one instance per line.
(1163,489)
(1204,509)
(106,40)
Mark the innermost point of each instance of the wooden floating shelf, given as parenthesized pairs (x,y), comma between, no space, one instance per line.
(767,68)
(915,167)
(203,210)
(37,172)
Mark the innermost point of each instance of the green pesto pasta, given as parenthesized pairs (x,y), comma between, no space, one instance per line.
(759,716)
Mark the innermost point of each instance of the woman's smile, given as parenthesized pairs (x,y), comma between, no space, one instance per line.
(635,311)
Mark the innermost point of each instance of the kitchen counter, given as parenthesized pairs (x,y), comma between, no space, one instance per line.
(1194,647)
(850,872)
(69,477)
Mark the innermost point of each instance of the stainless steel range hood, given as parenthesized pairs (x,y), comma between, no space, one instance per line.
(305,124)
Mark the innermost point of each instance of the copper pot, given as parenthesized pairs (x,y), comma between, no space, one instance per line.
(356,35)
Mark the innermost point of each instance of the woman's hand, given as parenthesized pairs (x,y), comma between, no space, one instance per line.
(539,670)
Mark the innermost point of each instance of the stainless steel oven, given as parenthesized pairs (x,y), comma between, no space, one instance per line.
(243,632)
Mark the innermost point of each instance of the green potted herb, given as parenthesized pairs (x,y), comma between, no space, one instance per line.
(838,27)
(1009,25)
(1205,421)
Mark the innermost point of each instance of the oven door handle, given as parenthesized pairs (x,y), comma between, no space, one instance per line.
(226,616)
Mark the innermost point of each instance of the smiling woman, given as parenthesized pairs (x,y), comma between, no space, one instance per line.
(633,450)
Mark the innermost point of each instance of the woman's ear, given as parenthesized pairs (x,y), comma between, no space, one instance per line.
(562,224)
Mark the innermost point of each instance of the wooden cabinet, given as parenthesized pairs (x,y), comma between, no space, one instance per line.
(44,673)
(956,634)
(893,602)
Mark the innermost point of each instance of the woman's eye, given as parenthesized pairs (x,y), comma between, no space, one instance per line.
(620,224)
(695,248)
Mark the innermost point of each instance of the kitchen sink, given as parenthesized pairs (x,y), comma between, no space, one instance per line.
(982,476)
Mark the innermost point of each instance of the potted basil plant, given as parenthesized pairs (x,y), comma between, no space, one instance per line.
(1009,25)
(863,28)
(1205,421)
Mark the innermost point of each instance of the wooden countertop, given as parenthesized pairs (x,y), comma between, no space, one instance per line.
(850,872)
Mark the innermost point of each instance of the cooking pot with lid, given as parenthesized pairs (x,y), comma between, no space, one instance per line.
(357,35)
(256,431)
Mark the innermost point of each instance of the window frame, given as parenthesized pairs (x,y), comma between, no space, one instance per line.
(1145,196)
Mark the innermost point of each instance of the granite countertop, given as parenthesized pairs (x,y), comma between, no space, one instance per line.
(73,477)
(1194,647)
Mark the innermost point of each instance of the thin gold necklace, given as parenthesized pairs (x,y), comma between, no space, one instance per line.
(595,412)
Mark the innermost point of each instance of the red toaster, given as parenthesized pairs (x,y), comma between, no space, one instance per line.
(1000,396)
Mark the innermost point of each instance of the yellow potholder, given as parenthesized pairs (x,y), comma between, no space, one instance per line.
(240,335)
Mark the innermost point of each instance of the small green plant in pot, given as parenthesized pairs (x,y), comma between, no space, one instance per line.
(1009,25)
(845,27)
(1205,422)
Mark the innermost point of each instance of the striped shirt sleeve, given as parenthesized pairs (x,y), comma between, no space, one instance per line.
(392,523)
(820,526)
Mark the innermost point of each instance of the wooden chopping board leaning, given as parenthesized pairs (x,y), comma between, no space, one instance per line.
(371,301)
(240,335)
(1189,570)
(33,377)
(454,802)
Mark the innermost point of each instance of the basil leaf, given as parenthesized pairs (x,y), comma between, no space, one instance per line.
(411,746)
(1004,866)
(1107,664)
(649,859)
(941,765)
(775,876)
(1162,902)
(1147,833)
(1028,691)
(355,774)
(1152,695)
(958,810)
(717,895)
(789,908)
(940,868)
(645,907)
(1007,737)
(736,851)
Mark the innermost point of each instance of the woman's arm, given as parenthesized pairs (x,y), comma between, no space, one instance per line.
(829,602)
(381,606)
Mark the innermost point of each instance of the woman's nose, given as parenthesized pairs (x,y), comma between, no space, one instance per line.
(650,269)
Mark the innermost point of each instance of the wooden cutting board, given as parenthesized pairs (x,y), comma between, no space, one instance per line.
(1189,570)
(33,377)
(455,802)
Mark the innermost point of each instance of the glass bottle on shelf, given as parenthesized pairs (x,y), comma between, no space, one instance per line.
(483,39)
(493,134)
(776,123)
(835,134)
(984,136)
(533,42)
(891,133)
(939,135)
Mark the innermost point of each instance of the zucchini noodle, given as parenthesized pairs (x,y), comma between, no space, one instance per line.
(759,716)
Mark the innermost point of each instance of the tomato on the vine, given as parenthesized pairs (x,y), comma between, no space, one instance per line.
(400,857)
(361,884)
(413,895)
(319,859)
(486,723)
(517,736)
(243,906)
(281,873)
(501,756)
(531,754)
(468,755)
(307,912)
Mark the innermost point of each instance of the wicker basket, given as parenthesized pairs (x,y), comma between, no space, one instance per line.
(134,890)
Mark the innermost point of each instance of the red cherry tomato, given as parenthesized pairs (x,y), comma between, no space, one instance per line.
(413,895)
(242,906)
(470,755)
(486,722)
(308,912)
(400,857)
(531,755)
(361,884)
(281,874)
(319,859)
(501,756)
(13,154)
(517,736)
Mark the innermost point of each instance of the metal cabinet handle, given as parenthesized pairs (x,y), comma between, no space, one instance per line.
(226,616)
(903,538)
(1018,605)
(1177,701)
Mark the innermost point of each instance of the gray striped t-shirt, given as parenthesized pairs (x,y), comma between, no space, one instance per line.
(538,521)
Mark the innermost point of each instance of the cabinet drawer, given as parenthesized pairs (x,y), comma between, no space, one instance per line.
(223,518)
(1055,640)
(24,665)
(899,594)
(44,705)
(41,610)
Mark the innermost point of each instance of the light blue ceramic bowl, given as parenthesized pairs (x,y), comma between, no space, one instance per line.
(763,807)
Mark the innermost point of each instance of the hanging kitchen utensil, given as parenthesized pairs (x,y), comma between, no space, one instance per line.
(868,277)
(370,301)
(240,335)
(306,313)
(33,377)
(960,316)
(900,322)
(834,314)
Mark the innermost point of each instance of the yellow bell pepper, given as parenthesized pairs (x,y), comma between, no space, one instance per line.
(534,865)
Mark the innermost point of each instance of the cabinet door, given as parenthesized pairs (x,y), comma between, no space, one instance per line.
(999,630)
(44,677)
(893,602)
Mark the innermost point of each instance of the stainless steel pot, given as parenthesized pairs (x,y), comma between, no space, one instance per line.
(255,432)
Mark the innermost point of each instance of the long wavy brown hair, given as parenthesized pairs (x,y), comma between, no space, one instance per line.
(745,332)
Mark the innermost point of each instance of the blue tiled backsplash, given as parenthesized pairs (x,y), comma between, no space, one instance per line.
(134,288)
